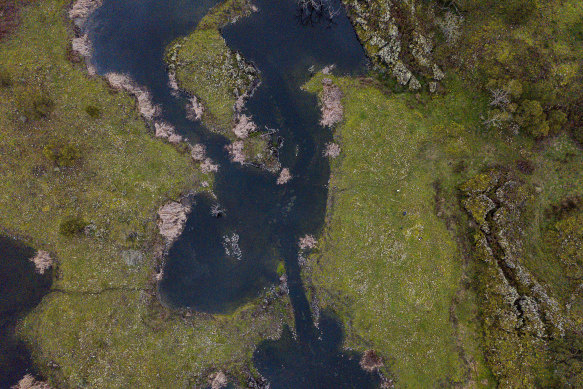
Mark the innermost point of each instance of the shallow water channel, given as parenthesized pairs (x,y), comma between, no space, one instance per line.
(130,37)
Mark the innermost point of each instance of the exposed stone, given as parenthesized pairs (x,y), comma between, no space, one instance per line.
(218,380)
(432,86)
(438,74)
(414,84)
(421,48)
(167,131)
(207,166)
(284,176)
(332,150)
(307,242)
(244,126)
(29,382)
(198,152)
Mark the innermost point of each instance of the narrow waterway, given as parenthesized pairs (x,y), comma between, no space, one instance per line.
(130,37)
(21,289)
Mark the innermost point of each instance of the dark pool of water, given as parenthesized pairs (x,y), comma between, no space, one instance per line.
(21,289)
(268,219)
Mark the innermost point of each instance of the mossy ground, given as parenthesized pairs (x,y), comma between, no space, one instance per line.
(393,261)
(72,148)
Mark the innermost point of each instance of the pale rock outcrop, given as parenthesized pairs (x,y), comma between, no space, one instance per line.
(29,382)
(307,242)
(207,166)
(332,150)
(172,217)
(401,73)
(167,131)
(218,380)
(198,152)
(144,100)
(331,104)
(42,261)
(236,151)
(284,176)
(244,126)
(194,109)
(81,9)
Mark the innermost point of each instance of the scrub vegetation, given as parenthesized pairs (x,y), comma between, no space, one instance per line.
(495,145)
(82,176)
(399,264)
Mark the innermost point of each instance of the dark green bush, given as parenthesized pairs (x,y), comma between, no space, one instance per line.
(557,120)
(72,226)
(517,12)
(93,111)
(5,79)
(62,155)
(576,30)
(532,118)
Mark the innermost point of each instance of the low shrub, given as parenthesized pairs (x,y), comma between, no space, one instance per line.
(62,155)
(93,111)
(72,226)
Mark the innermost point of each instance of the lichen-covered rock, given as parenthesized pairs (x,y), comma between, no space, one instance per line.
(414,84)
(401,73)
(479,207)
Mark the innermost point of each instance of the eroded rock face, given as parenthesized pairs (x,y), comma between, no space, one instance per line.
(172,218)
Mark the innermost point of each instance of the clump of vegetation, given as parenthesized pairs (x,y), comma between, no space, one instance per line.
(62,155)
(280,268)
(33,103)
(5,79)
(522,41)
(72,226)
(93,111)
